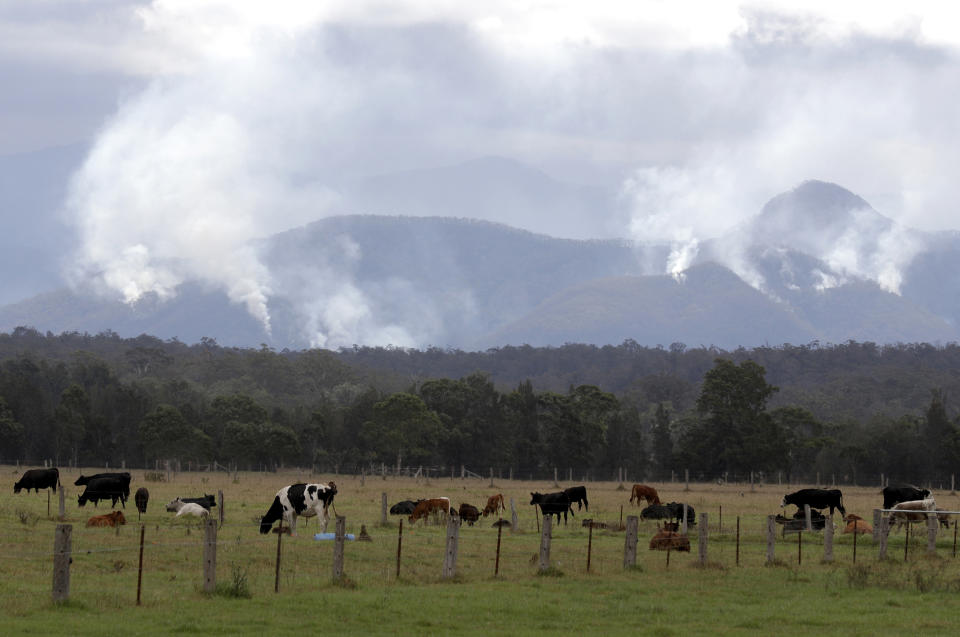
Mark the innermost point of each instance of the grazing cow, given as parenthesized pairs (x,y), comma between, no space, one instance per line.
(816,498)
(432,506)
(124,476)
(141,497)
(469,513)
(103,487)
(913,511)
(553,504)
(671,511)
(110,519)
(578,495)
(207,502)
(494,504)
(307,500)
(643,492)
(856,524)
(666,540)
(405,507)
(37,479)
(903,493)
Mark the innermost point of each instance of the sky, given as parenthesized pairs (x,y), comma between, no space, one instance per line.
(214,122)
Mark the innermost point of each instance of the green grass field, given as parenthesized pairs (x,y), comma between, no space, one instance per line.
(683,598)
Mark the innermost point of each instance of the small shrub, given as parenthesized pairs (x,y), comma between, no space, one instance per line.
(154,476)
(858,576)
(27,518)
(237,587)
(551,571)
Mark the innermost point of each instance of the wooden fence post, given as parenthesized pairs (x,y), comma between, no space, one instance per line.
(932,525)
(338,541)
(683,524)
(808,515)
(491,477)
(545,543)
(62,512)
(555,483)
(210,555)
(62,542)
(876,524)
(450,556)
(383,509)
(771,537)
(884,526)
(828,539)
(702,539)
(686,479)
(630,544)
(514,520)
(140,565)
(737,562)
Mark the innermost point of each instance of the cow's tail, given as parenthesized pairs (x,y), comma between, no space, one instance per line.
(274,513)
(840,506)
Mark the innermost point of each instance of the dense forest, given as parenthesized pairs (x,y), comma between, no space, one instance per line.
(851,411)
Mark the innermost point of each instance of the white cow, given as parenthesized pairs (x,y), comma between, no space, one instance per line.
(307,500)
(911,511)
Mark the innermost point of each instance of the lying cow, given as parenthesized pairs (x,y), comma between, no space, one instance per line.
(643,492)
(291,501)
(903,493)
(110,519)
(207,502)
(666,540)
(856,525)
(494,504)
(469,513)
(37,479)
(817,499)
(432,506)
(912,511)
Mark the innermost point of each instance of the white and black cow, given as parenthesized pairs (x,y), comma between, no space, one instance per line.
(903,493)
(37,479)
(298,499)
(817,499)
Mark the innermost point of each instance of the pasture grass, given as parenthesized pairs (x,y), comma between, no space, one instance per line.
(870,597)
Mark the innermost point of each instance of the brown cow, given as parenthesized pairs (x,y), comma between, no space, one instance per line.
(494,504)
(110,519)
(643,492)
(432,506)
(856,524)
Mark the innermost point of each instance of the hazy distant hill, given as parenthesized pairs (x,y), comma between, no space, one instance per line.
(816,263)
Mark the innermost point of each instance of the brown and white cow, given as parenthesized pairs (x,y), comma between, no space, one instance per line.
(110,519)
(643,492)
(432,506)
(494,504)
(912,511)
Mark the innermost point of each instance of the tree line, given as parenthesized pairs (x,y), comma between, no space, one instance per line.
(101,399)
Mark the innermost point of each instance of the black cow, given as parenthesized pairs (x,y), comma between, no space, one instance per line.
(671,511)
(817,499)
(123,476)
(141,497)
(578,495)
(404,507)
(903,493)
(207,501)
(469,513)
(553,504)
(111,488)
(37,479)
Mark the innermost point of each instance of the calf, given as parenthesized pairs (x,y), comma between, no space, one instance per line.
(110,519)
(913,511)
(37,479)
(469,513)
(643,492)
(856,524)
(666,540)
(494,504)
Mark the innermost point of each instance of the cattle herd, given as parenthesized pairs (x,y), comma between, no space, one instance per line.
(903,503)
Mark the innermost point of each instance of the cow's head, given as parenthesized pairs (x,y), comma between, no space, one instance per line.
(16,487)
(174,505)
(535,498)
(785,501)
(118,517)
